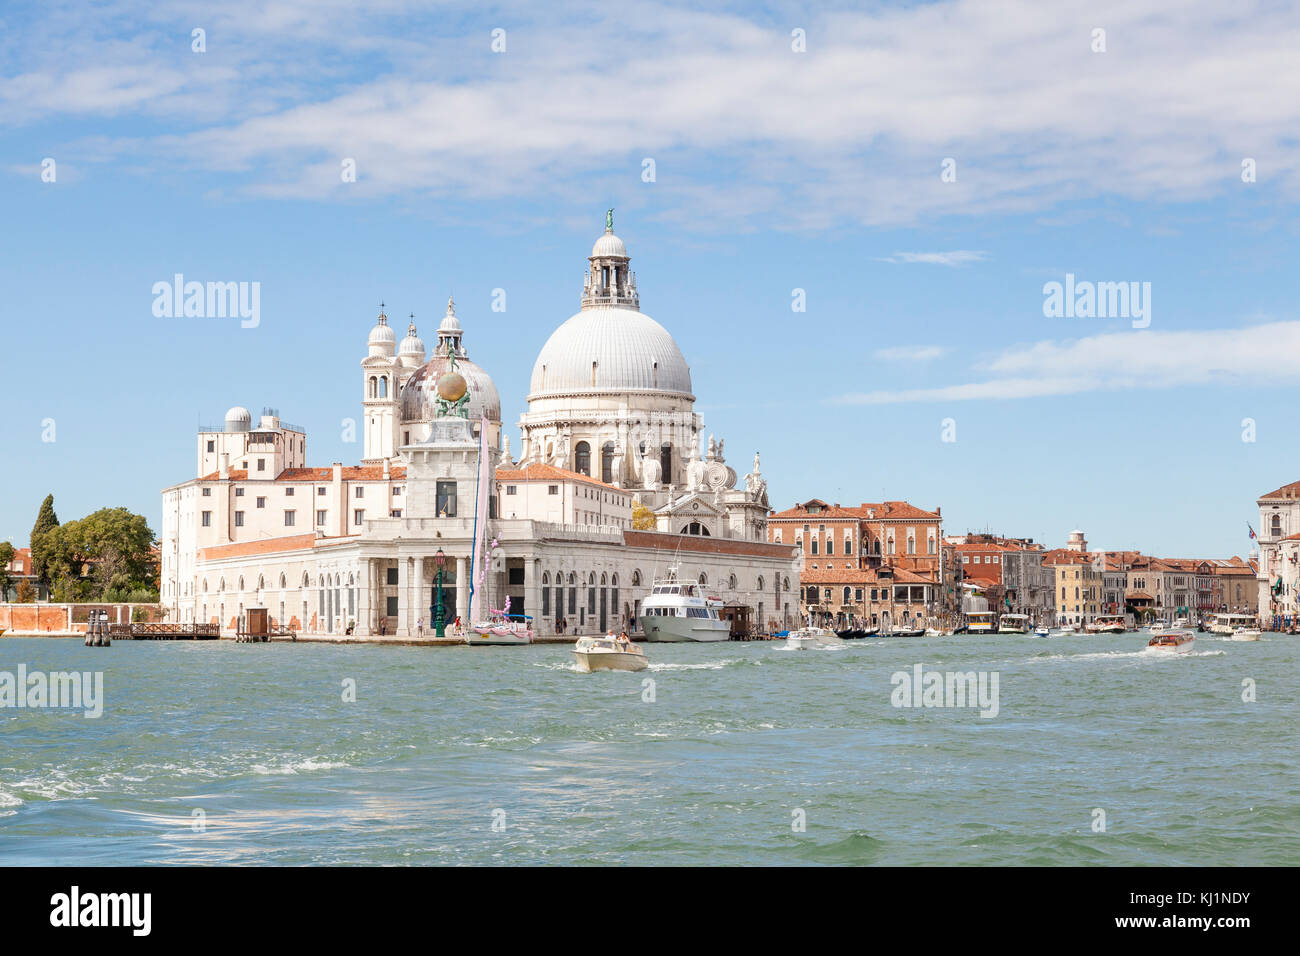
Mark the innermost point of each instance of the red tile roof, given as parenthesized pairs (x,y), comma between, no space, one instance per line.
(1286,491)
(884,511)
(663,541)
(350,473)
(542,472)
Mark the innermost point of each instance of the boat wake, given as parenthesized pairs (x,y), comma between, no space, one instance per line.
(702,666)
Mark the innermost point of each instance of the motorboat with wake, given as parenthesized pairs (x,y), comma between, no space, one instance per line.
(608,653)
(1176,641)
(1245,634)
(680,611)
(812,638)
(1042,631)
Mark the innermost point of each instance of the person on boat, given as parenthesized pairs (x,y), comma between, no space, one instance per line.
(623,639)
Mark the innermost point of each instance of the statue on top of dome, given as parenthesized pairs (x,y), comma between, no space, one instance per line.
(609,220)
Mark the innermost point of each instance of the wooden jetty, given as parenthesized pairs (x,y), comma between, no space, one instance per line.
(163,631)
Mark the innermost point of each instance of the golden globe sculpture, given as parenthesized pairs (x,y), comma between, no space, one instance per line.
(451,386)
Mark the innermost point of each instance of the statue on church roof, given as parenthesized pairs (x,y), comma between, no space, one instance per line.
(609,220)
(452,389)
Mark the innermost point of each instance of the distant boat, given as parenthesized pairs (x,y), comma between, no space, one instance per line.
(679,611)
(811,638)
(981,622)
(501,628)
(1245,634)
(1107,624)
(906,630)
(1042,631)
(1014,624)
(1227,624)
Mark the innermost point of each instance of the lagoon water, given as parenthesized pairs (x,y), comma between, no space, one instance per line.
(740,742)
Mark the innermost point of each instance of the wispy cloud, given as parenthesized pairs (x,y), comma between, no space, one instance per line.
(958,257)
(911,353)
(1120,361)
(861,121)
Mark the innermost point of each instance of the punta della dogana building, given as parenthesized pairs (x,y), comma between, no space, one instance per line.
(614,484)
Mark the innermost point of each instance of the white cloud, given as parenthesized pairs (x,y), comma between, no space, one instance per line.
(1121,361)
(854,130)
(958,257)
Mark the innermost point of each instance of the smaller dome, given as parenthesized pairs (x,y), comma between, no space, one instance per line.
(609,245)
(238,419)
(383,340)
(449,321)
(412,345)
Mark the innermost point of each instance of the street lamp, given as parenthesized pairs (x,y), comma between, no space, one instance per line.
(439,625)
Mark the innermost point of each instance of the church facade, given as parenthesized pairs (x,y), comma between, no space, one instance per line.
(611,487)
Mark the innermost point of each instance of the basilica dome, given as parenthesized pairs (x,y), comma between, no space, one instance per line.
(610,349)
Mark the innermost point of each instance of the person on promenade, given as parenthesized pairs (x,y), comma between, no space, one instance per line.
(419,627)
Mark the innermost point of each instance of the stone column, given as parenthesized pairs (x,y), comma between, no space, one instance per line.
(420,600)
(532,595)
(462,590)
(365,598)
(403,598)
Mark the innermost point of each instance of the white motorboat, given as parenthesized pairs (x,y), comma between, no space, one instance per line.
(1228,624)
(906,630)
(1107,624)
(502,629)
(934,632)
(1013,624)
(608,653)
(1245,634)
(1042,631)
(1069,628)
(680,611)
(812,638)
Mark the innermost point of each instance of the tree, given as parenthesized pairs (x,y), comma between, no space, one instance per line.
(643,519)
(105,555)
(6,558)
(26,593)
(46,520)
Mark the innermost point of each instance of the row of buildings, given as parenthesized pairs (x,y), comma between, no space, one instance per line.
(890,564)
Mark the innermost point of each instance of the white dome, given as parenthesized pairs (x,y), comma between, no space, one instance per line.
(420,398)
(238,419)
(412,346)
(631,352)
(383,340)
(609,245)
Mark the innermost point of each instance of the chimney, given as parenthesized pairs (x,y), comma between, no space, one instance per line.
(338,471)
(223,470)
(387,470)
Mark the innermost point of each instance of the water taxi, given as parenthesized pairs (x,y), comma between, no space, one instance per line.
(1177,641)
(1107,624)
(608,653)
(1042,631)
(981,622)
(811,639)
(1013,624)
(1245,634)
(1227,624)
(906,630)
(680,611)
(503,629)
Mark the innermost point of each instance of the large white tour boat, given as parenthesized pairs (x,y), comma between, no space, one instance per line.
(1231,623)
(1013,624)
(680,611)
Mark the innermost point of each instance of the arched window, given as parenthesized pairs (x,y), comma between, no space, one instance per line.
(732,582)
(814,545)
(546,578)
(374,387)
(284,581)
(613,580)
(1277,526)
(785,584)
(760,582)
(205,585)
(812,594)
(241,583)
(704,579)
(582,459)
(636,578)
(607,463)
(383,386)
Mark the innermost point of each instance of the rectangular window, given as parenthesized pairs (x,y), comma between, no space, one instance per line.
(207,492)
(391,575)
(239,492)
(207,519)
(360,492)
(212,446)
(288,519)
(446,499)
(510,489)
(288,492)
(573,600)
(552,489)
(391,607)
(320,517)
(516,575)
(830,546)
(397,491)
(320,490)
(395,513)
(358,516)
(261,464)
(239,519)
(261,502)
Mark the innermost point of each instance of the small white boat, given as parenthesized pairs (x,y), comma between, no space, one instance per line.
(811,638)
(608,653)
(934,632)
(1069,628)
(1228,624)
(1042,631)
(906,630)
(1179,642)
(1245,634)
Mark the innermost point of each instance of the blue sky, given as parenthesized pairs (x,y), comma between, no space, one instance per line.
(775,170)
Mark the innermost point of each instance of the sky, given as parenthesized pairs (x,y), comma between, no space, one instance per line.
(848,215)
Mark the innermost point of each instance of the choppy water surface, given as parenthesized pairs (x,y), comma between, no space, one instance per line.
(738,739)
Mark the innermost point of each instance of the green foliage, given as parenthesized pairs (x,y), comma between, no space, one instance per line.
(26,593)
(6,556)
(46,520)
(104,556)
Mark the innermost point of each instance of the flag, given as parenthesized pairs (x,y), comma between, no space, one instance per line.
(1253,536)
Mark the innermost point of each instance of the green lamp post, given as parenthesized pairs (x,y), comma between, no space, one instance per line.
(439,624)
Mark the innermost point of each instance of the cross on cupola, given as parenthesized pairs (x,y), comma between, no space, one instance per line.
(609,282)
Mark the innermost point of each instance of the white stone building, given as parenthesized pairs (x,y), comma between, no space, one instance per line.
(610,424)
(1279,552)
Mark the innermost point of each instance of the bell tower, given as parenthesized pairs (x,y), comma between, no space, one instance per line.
(380,371)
